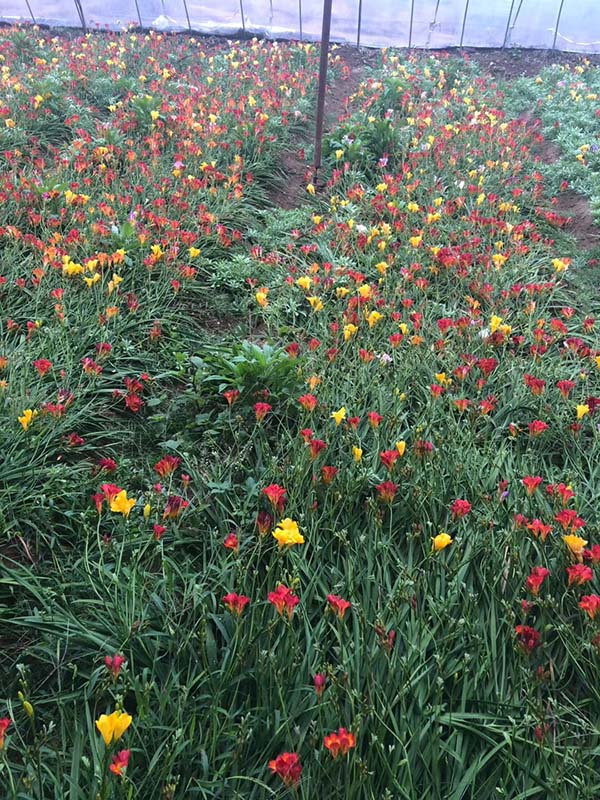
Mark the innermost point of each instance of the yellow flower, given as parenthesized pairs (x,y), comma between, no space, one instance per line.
(310,188)
(495,323)
(373,318)
(338,416)
(381,267)
(194,252)
(112,284)
(287,533)
(339,154)
(27,418)
(261,297)
(561,264)
(113,726)
(121,504)
(365,291)
(575,544)
(147,510)
(357,453)
(401,447)
(349,331)
(582,410)
(315,303)
(304,282)
(440,541)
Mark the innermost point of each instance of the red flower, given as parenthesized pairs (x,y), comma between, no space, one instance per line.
(231,542)
(288,767)
(565,388)
(423,448)
(569,520)
(42,365)
(539,529)
(579,574)
(120,762)
(339,743)
(374,418)
(4,725)
(107,464)
(388,458)
(261,410)
(460,508)
(231,395)
(316,446)
(264,522)
(535,579)
(590,603)
(593,554)
(328,474)
(167,465)
(487,365)
(284,600)
(236,602)
(320,681)
(338,604)
(110,490)
(306,434)
(527,638)
(276,495)
(158,531)
(114,664)
(561,490)
(462,404)
(387,491)
(174,506)
(531,483)
(537,427)
(537,385)
(308,402)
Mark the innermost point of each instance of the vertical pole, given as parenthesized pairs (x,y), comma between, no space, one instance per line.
(243,18)
(512,5)
(560,8)
(410,29)
(322,85)
(187,15)
(137,8)
(462,33)
(81,16)
(30,12)
(359,24)
(300,19)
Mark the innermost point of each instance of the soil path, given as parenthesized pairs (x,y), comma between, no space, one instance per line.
(296,167)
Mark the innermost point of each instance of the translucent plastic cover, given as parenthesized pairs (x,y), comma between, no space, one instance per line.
(562,24)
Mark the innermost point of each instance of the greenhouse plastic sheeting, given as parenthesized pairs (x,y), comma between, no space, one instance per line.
(572,25)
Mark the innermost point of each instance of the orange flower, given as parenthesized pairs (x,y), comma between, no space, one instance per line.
(340,743)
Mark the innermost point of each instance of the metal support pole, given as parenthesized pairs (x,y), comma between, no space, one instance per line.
(300,19)
(31,13)
(187,15)
(137,8)
(359,24)
(410,28)
(243,18)
(462,33)
(512,5)
(560,8)
(322,85)
(81,16)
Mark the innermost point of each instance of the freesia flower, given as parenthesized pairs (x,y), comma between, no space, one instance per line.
(535,579)
(120,762)
(338,605)
(387,491)
(590,603)
(579,574)
(441,541)
(460,508)
(4,725)
(531,483)
(575,544)
(287,533)
(339,415)
(340,743)
(357,453)
(276,495)
(121,504)
(167,465)
(287,765)
(231,542)
(113,664)
(236,602)
(27,418)
(261,410)
(284,600)
(320,681)
(527,638)
(113,726)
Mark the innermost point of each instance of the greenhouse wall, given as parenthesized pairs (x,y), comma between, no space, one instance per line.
(571,25)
